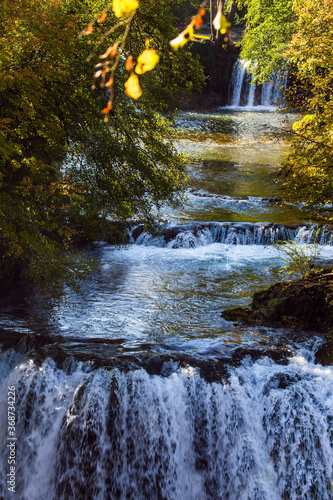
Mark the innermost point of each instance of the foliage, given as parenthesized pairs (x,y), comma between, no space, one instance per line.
(300,257)
(270,25)
(298,35)
(62,170)
(309,167)
(182,11)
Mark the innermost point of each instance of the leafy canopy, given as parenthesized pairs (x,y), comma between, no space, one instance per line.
(64,173)
(298,35)
(309,167)
(270,25)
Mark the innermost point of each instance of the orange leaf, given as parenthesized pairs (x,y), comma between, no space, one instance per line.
(107,110)
(109,83)
(114,49)
(103,17)
(129,63)
(111,51)
(90,29)
(198,21)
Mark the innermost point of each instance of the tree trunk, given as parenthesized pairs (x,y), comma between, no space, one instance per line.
(232,12)
(212,15)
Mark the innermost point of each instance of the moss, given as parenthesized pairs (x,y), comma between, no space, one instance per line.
(236,314)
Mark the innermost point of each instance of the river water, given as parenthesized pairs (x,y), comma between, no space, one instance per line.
(135,392)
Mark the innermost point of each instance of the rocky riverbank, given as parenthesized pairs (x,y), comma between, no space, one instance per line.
(302,304)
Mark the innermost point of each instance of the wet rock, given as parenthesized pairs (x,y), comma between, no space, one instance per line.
(280,381)
(303,304)
(23,342)
(110,354)
(324,355)
(113,232)
(218,60)
(279,355)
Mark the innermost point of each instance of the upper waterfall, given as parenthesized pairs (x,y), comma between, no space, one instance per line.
(246,93)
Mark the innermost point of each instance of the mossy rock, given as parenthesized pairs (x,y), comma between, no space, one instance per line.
(303,304)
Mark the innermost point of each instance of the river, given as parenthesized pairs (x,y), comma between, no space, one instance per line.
(141,390)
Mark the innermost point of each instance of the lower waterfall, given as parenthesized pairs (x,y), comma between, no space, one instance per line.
(263,432)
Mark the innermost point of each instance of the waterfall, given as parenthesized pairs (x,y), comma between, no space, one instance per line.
(201,234)
(247,94)
(262,433)
(237,78)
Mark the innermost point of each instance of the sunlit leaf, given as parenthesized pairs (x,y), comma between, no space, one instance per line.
(220,22)
(147,61)
(123,8)
(300,124)
(132,87)
(182,38)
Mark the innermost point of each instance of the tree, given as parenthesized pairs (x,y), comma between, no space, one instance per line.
(309,167)
(298,36)
(270,25)
(63,171)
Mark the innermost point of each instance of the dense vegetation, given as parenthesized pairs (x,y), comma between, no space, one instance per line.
(63,171)
(297,36)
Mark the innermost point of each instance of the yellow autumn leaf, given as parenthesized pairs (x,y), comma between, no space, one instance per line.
(182,38)
(132,87)
(147,61)
(123,8)
(220,22)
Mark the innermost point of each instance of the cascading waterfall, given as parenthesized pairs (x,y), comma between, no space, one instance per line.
(264,432)
(245,93)
(200,234)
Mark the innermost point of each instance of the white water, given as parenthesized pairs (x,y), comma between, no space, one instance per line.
(202,234)
(264,433)
(236,83)
(243,89)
